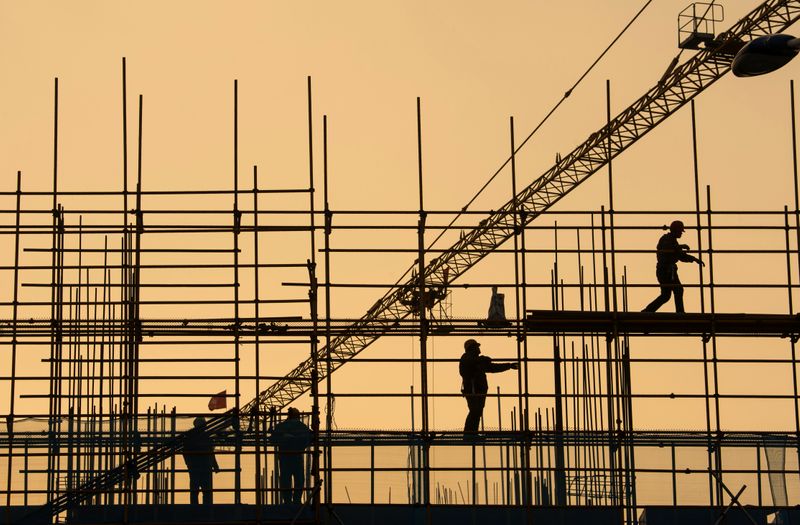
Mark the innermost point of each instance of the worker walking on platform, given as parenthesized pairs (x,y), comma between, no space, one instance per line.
(668,253)
(291,437)
(473,368)
(198,453)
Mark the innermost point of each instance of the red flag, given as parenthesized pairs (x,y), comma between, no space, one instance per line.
(218,401)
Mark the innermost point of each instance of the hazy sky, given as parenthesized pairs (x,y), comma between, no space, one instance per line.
(474,64)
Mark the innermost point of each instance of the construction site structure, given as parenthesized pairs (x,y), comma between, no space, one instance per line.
(110,292)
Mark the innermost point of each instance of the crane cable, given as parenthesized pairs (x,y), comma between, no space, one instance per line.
(541,123)
(545,119)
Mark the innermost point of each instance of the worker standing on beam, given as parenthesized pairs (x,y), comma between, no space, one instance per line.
(668,253)
(473,368)
(198,453)
(291,437)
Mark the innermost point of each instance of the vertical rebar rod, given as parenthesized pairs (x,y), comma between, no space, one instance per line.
(123,367)
(173,433)
(558,409)
(610,397)
(597,371)
(77,365)
(102,463)
(674,472)
(611,204)
(758,475)
(500,448)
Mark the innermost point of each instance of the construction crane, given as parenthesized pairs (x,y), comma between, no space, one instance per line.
(677,87)
(680,84)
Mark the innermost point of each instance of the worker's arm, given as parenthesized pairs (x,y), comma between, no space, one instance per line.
(685,256)
(214,464)
(492,368)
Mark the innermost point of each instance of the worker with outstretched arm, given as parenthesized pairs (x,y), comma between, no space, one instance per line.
(473,368)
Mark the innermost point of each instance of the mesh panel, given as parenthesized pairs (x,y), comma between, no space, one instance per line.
(776,461)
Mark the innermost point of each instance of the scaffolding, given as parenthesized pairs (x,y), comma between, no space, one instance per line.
(125,302)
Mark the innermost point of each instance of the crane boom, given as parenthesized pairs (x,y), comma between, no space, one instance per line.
(677,88)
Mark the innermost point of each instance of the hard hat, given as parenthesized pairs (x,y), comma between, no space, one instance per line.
(292,413)
(471,343)
(199,421)
(676,226)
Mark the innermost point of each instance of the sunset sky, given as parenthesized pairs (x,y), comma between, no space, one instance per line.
(473,64)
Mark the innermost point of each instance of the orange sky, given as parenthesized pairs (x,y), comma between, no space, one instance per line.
(473,65)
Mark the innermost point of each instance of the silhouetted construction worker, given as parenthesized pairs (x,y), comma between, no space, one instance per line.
(668,253)
(198,453)
(291,437)
(473,368)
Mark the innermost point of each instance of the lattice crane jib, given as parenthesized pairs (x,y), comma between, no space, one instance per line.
(680,85)
(676,88)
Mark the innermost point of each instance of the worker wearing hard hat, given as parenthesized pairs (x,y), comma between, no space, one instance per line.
(198,453)
(291,437)
(668,253)
(473,368)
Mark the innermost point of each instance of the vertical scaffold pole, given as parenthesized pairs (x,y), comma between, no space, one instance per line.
(423,325)
(328,363)
(312,296)
(257,417)
(520,287)
(124,144)
(123,279)
(13,370)
(714,361)
(136,322)
(797,247)
(792,342)
(55,346)
(237,221)
(698,217)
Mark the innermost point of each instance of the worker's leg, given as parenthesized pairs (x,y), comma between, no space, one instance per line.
(664,276)
(475,403)
(194,487)
(677,289)
(286,479)
(207,485)
(299,480)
